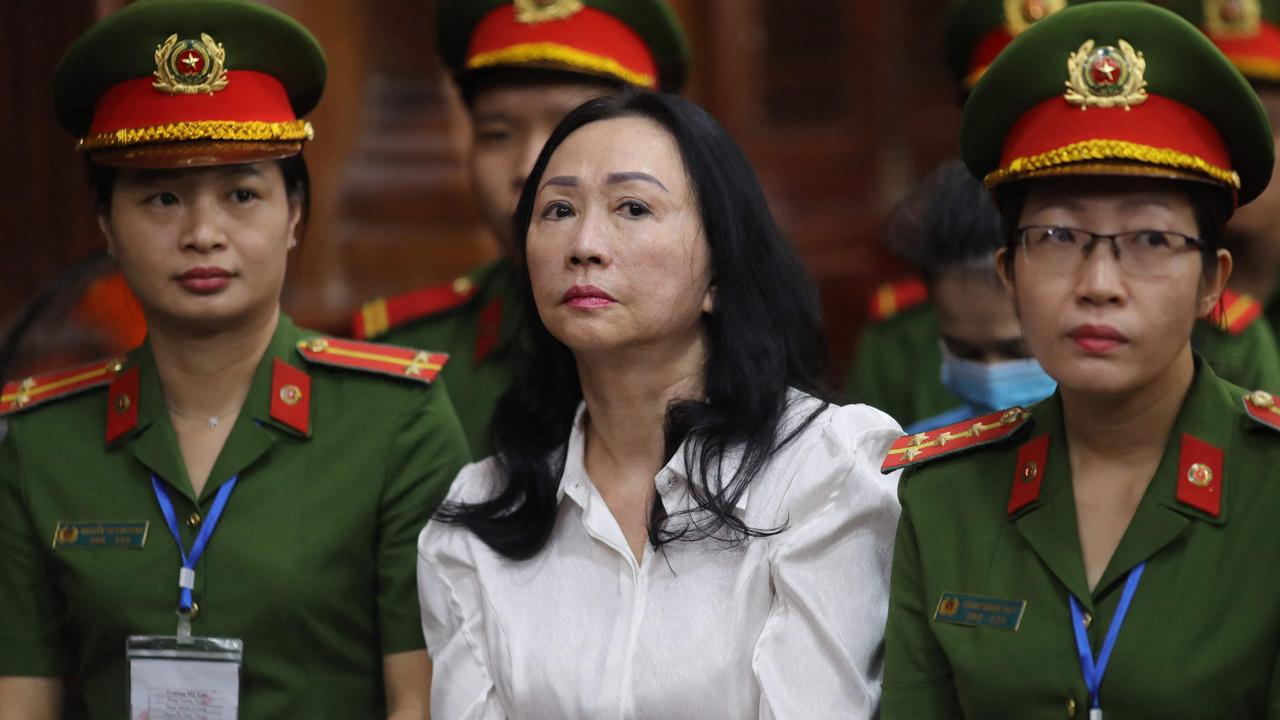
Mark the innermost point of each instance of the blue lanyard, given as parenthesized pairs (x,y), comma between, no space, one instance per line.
(1093,673)
(187,574)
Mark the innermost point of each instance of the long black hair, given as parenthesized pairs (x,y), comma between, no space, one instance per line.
(763,337)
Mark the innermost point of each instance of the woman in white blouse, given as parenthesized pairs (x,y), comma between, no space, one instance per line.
(674,524)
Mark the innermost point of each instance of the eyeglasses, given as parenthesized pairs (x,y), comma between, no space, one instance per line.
(1139,252)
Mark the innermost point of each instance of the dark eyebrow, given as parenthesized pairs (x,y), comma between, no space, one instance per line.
(621,177)
(563,180)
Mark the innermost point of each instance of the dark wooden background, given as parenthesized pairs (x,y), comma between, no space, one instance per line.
(841,105)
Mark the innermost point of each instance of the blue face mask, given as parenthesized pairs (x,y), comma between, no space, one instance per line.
(995,386)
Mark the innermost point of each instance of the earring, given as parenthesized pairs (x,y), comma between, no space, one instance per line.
(292,243)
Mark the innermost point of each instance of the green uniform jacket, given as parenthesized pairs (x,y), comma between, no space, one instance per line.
(898,367)
(478,332)
(1249,359)
(312,565)
(1202,635)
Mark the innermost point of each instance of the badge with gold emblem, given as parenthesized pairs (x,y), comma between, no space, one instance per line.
(1022,14)
(190,66)
(531,12)
(1106,77)
(1232,18)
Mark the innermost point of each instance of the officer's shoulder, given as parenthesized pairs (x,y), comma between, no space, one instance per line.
(892,299)
(993,430)
(378,317)
(1263,409)
(408,365)
(1235,313)
(36,391)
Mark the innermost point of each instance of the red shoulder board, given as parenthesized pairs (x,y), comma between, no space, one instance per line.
(976,432)
(1235,311)
(892,298)
(390,360)
(29,392)
(378,316)
(1261,406)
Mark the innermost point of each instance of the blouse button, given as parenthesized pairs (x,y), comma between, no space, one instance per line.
(1071,707)
(673,481)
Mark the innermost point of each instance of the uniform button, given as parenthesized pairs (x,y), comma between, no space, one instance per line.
(1088,620)
(1071,707)
(193,520)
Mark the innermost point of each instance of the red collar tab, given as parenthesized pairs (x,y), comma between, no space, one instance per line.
(1028,474)
(894,297)
(122,405)
(1235,312)
(1261,406)
(30,392)
(377,317)
(1200,475)
(586,40)
(400,362)
(920,448)
(488,329)
(291,397)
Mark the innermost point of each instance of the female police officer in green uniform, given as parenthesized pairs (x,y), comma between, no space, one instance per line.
(237,491)
(1112,551)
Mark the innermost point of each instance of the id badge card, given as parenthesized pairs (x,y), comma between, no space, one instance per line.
(196,679)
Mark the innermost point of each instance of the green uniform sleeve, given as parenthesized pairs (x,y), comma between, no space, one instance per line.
(1250,359)
(33,639)
(425,455)
(918,681)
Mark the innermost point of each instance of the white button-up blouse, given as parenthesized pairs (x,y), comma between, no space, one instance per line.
(787,626)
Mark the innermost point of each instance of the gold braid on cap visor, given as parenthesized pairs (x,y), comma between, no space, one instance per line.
(230,130)
(564,55)
(1093,150)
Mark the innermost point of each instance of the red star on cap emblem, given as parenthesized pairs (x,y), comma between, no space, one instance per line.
(190,62)
(1105,72)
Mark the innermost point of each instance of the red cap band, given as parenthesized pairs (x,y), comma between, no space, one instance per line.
(591,41)
(1158,132)
(249,96)
(985,52)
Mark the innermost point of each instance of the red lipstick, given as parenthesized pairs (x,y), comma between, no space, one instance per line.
(205,280)
(1098,339)
(586,297)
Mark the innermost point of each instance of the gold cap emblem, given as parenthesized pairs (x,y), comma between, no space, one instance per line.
(1106,76)
(531,12)
(190,66)
(1022,14)
(1232,18)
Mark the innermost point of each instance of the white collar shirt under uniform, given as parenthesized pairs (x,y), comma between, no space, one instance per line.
(786,626)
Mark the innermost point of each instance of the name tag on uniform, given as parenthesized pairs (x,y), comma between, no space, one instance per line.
(980,611)
(100,535)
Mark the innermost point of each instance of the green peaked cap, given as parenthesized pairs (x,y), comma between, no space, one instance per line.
(122,47)
(653,21)
(1181,65)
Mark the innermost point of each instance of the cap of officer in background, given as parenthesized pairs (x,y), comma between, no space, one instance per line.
(1117,88)
(977,30)
(638,42)
(1246,31)
(179,83)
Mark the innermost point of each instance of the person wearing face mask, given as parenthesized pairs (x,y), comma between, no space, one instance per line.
(950,223)
(1106,553)
(223,517)
(520,66)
